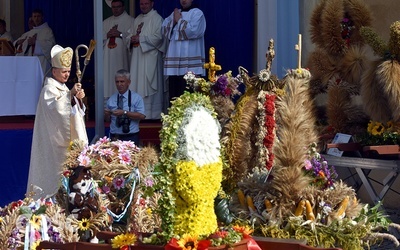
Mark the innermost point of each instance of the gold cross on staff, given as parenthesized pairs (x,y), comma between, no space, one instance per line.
(298,48)
(211,66)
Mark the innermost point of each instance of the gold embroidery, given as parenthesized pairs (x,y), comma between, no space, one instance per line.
(66,58)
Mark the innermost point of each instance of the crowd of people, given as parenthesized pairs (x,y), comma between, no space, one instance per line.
(156,52)
(145,57)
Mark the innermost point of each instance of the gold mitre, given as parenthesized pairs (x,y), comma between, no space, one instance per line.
(60,57)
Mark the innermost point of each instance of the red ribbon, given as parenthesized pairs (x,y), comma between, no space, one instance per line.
(252,244)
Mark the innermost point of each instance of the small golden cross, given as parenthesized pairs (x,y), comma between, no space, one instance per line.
(211,66)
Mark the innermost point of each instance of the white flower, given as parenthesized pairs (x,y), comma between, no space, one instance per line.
(326,209)
(264,75)
(201,134)
(189,76)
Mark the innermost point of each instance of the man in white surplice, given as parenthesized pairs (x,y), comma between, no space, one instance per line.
(147,48)
(116,54)
(184,30)
(37,42)
(58,121)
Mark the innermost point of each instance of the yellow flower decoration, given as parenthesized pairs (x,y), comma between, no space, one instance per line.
(36,221)
(84,224)
(389,125)
(371,126)
(194,189)
(188,242)
(35,245)
(122,240)
(378,129)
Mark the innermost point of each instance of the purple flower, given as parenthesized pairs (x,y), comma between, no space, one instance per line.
(118,182)
(106,189)
(54,235)
(318,168)
(220,85)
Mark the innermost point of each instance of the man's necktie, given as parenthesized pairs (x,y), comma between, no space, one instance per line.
(121,102)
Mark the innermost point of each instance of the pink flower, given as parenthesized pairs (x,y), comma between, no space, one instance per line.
(84,160)
(104,140)
(149,182)
(307,165)
(95,147)
(125,157)
(106,152)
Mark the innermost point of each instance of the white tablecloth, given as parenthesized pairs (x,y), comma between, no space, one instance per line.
(21,79)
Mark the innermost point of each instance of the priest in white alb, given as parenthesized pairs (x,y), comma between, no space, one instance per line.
(37,42)
(116,53)
(147,47)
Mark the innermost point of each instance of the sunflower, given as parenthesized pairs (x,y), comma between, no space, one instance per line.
(84,224)
(36,221)
(188,242)
(122,240)
(389,125)
(378,129)
(371,126)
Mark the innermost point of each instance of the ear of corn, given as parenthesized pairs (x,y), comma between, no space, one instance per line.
(309,212)
(268,205)
(300,208)
(342,208)
(242,199)
(250,203)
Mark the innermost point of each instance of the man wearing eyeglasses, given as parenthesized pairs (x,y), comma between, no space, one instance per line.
(116,52)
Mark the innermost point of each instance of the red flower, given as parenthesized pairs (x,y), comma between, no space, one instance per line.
(16,204)
(67,173)
(219,234)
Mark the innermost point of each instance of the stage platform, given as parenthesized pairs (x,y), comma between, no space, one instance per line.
(15,148)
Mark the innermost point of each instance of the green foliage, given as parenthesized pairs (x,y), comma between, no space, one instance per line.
(348,234)
(386,138)
(379,134)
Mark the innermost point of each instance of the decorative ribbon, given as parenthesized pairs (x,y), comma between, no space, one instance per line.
(27,236)
(252,244)
(135,176)
(30,232)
